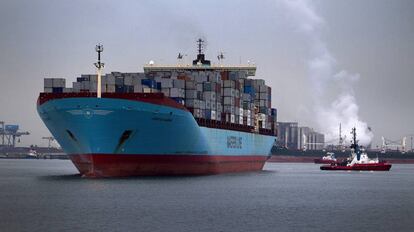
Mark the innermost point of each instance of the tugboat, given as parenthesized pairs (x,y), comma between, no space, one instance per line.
(358,161)
(328,159)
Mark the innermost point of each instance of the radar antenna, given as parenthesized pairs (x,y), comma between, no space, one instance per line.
(200,46)
(99,65)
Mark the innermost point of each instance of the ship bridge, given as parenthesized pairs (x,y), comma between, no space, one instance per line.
(250,70)
(201,64)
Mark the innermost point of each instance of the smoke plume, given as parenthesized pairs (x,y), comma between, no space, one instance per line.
(323,74)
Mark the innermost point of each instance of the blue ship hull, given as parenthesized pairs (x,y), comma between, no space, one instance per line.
(121,137)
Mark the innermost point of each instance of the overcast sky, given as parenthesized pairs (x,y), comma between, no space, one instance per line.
(372,40)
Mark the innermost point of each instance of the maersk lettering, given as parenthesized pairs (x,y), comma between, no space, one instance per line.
(234,142)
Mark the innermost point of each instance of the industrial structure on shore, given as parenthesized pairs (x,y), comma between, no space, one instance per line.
(295,137)
(10,134)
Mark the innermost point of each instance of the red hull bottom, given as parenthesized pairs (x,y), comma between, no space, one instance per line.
(358,167)
(107,165)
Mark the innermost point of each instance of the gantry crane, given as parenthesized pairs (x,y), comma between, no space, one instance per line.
(9,134)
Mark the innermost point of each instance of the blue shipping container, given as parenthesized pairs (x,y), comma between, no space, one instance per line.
(250,90)
(119,89)
(149,82)
(57,90)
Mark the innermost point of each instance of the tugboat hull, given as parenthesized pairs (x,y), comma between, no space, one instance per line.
(358,167)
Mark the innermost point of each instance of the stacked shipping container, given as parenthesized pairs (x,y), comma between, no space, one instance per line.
(226,96)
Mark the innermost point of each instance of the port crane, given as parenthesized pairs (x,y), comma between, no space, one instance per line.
(9,134)
(50,140)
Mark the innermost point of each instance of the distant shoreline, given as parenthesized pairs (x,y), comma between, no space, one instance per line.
(310,159)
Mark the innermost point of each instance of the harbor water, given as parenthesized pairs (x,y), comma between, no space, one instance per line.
(49,195)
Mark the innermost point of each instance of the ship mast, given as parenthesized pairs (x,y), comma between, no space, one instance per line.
(99,65)
(340,137)
(355,145)
(200,45)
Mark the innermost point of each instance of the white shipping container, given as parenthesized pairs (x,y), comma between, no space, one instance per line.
(192,103)
(263,96)
(166,83)
(110,79)
(228,84)
(199,87)
(179,84)
(137,88)
(85,85)
(246,97)
(48,90)
(93,78)
(47,82)
(147,90)
(137,80)
(213,114)
(232,118)
(93,87)
(213,78)
(213,105)
(208,105)
(246,113)
(229,92)
(110,88)
(176,92)
(228,109)
(76,85)
(128,80)
(67,90)
(174,75)
(209,96)
(237,111)
(202,105)
(191,94)
(158,77)
(228,101)
(190,85)
(258,82)
(263,89)
(59,82)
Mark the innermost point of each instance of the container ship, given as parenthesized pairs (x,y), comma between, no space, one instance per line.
(195,119)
